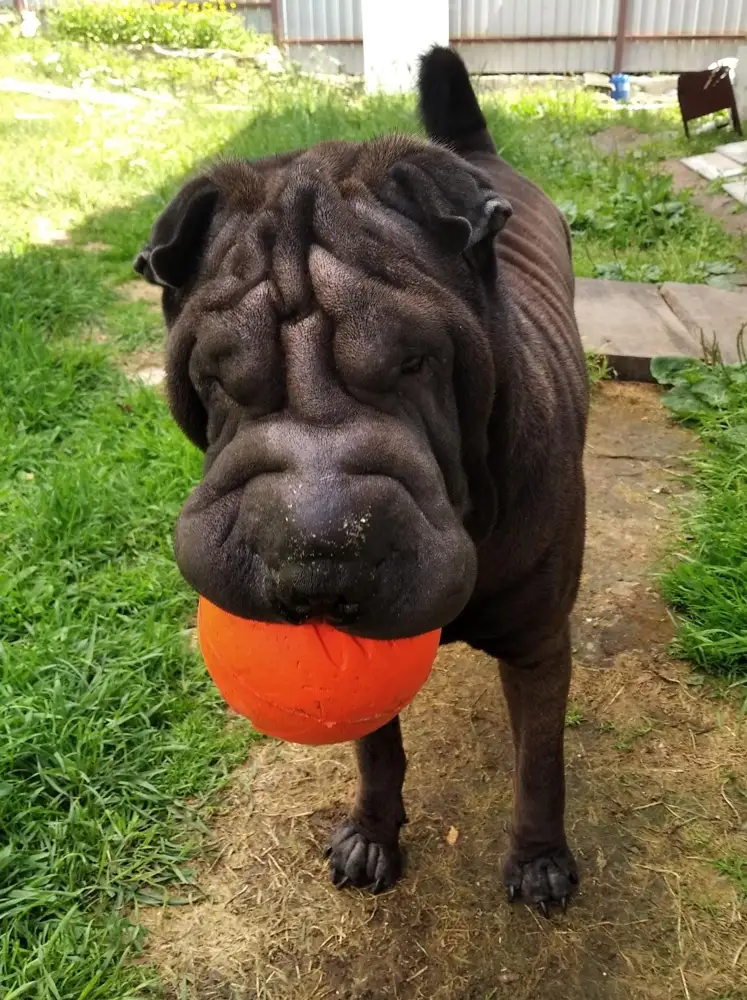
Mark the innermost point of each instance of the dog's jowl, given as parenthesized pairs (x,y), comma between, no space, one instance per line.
(375,346)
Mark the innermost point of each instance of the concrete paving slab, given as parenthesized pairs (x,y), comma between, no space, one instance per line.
(738,190)
(713,166)
(629,323)
(597,81)
(713,316)
(735,151)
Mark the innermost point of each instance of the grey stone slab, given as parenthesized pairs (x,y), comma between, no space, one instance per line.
(712,316)
(713,166)
(735,151)
(655,85)
(738,190)
(597,81)
(629,323)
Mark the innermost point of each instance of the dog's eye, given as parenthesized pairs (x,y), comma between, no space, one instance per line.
(412,365)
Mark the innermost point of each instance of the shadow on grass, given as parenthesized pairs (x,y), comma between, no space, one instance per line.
(126,228)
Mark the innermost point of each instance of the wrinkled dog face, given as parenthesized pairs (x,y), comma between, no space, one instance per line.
(326,351)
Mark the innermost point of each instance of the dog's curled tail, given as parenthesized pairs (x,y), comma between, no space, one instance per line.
(449,108)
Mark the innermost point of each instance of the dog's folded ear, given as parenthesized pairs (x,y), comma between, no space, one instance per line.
(447,197)
(172,254)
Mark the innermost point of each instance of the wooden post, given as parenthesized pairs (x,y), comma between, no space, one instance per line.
(395,34)
(277,21)
(622,27)
(740,84)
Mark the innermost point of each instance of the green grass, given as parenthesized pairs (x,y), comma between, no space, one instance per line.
(626,220)
(111,737)
(706,582)
(108,723)
(177,25)
(734,868)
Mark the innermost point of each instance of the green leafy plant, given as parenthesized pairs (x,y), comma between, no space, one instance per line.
(619,271)
(700,393)
(206,25)
(641,207)
(717,273)
(574,717)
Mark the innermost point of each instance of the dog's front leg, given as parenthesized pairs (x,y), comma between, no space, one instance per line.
(364,850)
(539,866)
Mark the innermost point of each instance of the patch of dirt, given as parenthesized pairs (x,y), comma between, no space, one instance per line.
(720,206)
(144,362)
(151,376)
(651,802)
(140,291)
(619,139)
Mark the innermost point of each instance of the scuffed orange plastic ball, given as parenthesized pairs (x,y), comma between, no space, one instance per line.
(310,683)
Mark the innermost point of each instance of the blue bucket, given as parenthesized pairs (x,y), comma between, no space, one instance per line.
(620,87)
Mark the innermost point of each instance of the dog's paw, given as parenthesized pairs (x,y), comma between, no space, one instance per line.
(544,880)
(356,860)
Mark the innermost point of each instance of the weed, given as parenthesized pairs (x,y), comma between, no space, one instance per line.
(597,367)
(574,717)
(628,737)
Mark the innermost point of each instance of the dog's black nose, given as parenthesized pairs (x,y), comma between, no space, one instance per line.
(307,593)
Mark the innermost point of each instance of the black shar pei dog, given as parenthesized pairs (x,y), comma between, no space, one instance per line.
(382,334)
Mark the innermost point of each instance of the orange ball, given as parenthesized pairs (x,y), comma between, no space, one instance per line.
(310,683)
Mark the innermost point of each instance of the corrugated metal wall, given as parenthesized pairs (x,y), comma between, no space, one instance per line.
(584,31)
(257,16)
(328,19)
(335,23)
(683,17)
(527,20)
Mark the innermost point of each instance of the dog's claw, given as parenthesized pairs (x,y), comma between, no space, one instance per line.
(543,881)
(355,860)
(328,851)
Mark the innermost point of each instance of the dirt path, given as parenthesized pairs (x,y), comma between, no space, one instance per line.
(651,765)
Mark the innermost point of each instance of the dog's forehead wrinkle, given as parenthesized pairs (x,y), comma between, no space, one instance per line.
(280,211)
(297,245)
